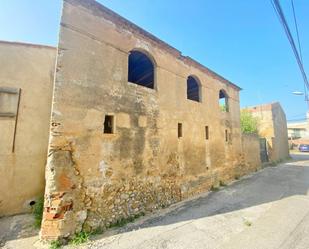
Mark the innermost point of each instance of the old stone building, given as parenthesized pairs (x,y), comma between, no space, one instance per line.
(26,83)
(272,126)
(135,126)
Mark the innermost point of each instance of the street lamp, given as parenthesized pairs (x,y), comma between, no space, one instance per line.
(297,93)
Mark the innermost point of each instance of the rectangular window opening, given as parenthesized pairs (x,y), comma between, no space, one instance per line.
(179,130)
(109,124)
(207,132)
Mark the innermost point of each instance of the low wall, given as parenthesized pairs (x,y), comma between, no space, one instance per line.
(251,153)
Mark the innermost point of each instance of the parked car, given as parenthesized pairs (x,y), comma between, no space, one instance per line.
(303,148)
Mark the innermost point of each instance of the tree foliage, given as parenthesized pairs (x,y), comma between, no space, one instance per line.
(249,124)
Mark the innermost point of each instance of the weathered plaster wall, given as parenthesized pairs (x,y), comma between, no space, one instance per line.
(281,146)
(95,179)
(273,127)
(251,153)
(29,68)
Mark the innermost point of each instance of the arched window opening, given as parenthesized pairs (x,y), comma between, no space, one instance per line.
(223,101)
(193,89)
(141,69)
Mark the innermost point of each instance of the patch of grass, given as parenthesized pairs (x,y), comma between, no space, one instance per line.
(37,211)
(122,222)
(80,238)
(83,236)
(248,223)
(274,163)
(222,183)
(97,231)
(277,162)
(55,244)
(214,188)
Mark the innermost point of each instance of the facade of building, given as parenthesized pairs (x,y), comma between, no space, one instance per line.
(26,86)
(297,130)
(121,123)
(135,126)
(272,126)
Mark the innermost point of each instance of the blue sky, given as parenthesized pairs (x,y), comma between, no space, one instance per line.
(241,40)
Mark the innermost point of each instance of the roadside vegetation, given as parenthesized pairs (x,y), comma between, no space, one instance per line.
(248,123)
(55,244)
(37,211)
(80,238)
(83,236)
(247,223)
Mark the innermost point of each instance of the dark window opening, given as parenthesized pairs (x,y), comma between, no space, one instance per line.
(223,101)
(226,136)
(179,130)
(141,69)
(109,124)
(193,91)
(207,132)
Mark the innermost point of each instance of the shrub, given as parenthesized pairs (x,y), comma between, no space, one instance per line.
(248,123)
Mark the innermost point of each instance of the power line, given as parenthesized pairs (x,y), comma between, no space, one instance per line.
(277,7)
(298,115)
(297,32)
(302,119)
(299,47)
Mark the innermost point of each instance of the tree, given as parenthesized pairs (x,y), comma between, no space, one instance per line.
(248,123)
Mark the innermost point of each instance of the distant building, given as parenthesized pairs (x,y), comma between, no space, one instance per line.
(272,127)
(297,130)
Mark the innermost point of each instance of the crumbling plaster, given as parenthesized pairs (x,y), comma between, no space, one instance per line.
(94,179)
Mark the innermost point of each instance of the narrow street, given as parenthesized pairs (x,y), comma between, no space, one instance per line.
(267,210)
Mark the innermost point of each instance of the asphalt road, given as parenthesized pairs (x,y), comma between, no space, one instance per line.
(267,210)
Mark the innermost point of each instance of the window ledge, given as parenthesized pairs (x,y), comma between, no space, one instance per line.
(142,87)
(194,101)
(7,114)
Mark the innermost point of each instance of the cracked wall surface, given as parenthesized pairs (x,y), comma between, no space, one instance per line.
(96,179)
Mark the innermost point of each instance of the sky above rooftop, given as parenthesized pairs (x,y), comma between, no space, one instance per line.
(240,40)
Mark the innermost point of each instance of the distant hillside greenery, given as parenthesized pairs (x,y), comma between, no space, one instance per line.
(248,123)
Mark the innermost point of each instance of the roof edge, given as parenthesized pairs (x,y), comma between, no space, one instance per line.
(117,19)
(27,44)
